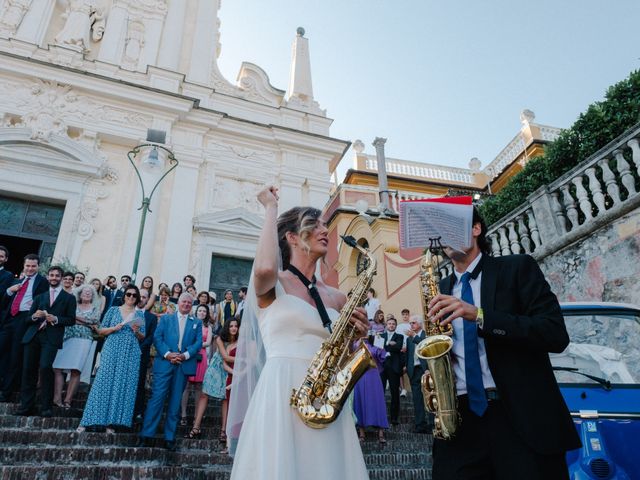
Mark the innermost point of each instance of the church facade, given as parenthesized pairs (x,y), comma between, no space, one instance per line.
(81,84)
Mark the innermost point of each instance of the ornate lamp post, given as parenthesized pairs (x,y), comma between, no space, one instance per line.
(154,161)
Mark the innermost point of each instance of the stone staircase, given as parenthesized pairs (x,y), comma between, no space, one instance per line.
(50,448)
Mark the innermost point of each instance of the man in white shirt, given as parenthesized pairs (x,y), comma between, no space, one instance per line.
(415,369)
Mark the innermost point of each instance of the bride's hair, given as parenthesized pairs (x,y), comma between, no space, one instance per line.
(298,220)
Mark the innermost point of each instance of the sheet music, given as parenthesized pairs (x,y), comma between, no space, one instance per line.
(449,219)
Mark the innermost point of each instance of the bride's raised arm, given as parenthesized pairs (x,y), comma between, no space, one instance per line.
(265,266)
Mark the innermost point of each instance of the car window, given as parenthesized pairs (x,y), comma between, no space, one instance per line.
(602,344)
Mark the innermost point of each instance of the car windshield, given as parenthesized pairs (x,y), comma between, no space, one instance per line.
(603,344)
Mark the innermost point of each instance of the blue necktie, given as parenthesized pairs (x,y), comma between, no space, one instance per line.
(475,389)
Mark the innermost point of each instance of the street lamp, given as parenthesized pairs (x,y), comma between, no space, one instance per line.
(153,161)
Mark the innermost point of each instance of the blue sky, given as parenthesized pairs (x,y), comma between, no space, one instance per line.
(443,81)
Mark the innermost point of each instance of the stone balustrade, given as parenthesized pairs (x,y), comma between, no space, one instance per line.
(423,170)
(598,190)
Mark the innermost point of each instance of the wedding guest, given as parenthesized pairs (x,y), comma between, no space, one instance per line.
(150,324)
(216,378)
(377,324)
(178,339)
(78,279)
(125,280)
(195,382)
(113,394)
(176,291)
(6,276)
(76,348)
(191,290)
(242,293)
(392,365)
(202,299)
(67,282)
(368,398)
(189,281)
(97,284)
(50,312)
(227,308)
(372,305)
(163,304)
(147,284)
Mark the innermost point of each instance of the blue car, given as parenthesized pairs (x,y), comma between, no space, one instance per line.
(599,376)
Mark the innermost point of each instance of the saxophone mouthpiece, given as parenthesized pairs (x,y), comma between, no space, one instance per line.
(349,240)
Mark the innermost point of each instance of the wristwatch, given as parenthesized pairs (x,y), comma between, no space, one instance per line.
(480,318)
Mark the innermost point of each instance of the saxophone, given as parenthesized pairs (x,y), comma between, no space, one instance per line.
(438,383)
(334,371)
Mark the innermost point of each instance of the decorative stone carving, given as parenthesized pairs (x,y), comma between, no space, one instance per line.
(11,16)
(233,193)
(89,209)
(48,108)
(83,17)
(133,45)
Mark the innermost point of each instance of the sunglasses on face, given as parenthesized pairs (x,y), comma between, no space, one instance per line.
(130,294)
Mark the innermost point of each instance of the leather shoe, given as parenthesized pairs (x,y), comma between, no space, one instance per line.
(25,411)
(171,445)
(142,442)
(48,413)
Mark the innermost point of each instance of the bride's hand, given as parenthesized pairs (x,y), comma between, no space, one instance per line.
(360,321)
(268,196)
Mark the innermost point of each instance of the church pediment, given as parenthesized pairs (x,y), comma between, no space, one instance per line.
(236,220)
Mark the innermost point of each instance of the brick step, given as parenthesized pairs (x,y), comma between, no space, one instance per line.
(414,472)
(83,455)
(112,472)
(15,435)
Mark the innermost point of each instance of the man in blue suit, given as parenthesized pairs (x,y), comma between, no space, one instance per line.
(415,369)
(150,324)
(178,339)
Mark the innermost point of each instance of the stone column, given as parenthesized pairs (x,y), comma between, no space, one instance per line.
(36,21)
(382,174)
(540,202)
(203,51)
(172,35)
(177,243)
(114,36)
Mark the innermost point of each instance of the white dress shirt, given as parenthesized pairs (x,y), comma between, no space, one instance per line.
(372,306)
(27,300)
(457,351)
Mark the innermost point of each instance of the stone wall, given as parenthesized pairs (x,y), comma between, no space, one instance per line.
(602,267)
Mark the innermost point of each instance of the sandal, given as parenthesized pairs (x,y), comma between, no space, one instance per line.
(65,405)
(194,433)
(381,438)
(80,429)
(59,404)
(183,422)
(361,436)
(223,437)
(109,430)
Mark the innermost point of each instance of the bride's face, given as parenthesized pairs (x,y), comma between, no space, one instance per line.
(319,239)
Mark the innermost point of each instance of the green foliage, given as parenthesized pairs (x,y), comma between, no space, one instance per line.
(601,123)
(63,263)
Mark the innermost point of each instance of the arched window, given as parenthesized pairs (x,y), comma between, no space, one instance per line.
(362,262)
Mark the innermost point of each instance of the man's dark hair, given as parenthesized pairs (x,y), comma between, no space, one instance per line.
(405,310)
(483,242)
(125,276)
(243,290)
(80,273)
(56,267)
(68,274)
(111,277)
(5,250)
(191,277)
(32,256)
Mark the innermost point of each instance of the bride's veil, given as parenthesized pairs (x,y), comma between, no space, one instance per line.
(249,360)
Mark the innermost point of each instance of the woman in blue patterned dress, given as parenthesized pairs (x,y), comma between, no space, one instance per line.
(113,394)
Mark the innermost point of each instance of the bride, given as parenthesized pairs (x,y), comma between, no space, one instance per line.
(281,332)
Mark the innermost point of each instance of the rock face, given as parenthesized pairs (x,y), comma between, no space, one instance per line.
(50,448)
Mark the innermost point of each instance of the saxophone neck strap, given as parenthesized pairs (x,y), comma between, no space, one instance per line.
(315,295)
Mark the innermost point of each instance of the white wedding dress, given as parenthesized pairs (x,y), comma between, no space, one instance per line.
(274,444)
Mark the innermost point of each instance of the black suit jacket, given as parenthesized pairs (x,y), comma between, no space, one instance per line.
(150,324)
(6,280)
(64,307)
(522,324)
(40,285)
(412,343)
(393,361)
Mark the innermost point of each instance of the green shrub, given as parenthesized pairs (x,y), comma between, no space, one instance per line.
(601,123)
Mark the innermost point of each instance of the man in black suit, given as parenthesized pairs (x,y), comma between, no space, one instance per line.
(6,277)
(392,366)
(118,300)
(415,369)
(506,320)
(17,301)
(50,312)
(150,324)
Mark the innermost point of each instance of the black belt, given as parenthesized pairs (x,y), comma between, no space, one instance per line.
(491,393)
